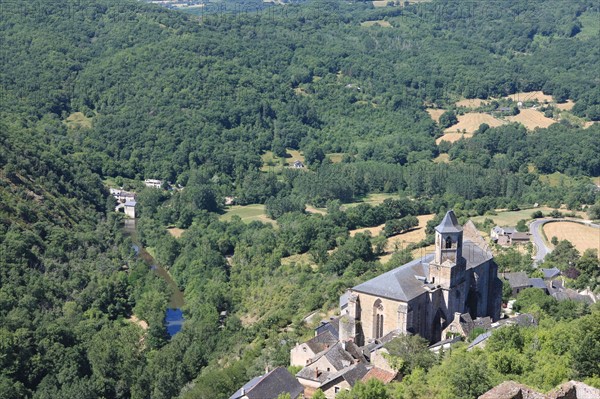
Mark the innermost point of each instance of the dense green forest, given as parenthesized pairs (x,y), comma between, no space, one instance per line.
(95,90)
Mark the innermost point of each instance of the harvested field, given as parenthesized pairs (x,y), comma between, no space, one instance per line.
(582,237)
(381,22)
(471,121)
(530,96)
(531,118)
(471,103)
(176,232)
(380,3)
(415,235)
(435,113)
(453,137)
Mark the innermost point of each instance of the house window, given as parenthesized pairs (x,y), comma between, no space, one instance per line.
(336,389)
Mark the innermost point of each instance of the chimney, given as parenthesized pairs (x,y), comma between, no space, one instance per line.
(316,372)
(266,370)
(344,345)
(242,391)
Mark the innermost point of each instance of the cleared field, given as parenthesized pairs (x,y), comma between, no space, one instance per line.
(305,259)
(336,157)
(510,218)
(372,199)
(530,96)
(381,22)
(566,106)
(531,118)
(442,158)
(471,103)
(294,156)
(176,232)
(435,113)
(415,235)
(582,237)
(380,3)
(78,120)
(471,121)
(312,209)
(248,213)
(453,137)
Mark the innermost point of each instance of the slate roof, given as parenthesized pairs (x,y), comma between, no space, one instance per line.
(550,273)
(351,374)
(480,338)
(401,284)
(523,320)
(517,279)
(270,386)
(321,342)
(332,325)
(537,283)
(130,203)
(449,224)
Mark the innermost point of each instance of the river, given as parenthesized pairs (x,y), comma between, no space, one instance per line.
(174,316)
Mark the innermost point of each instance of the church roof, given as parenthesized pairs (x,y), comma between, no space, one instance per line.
(403,284)
(449,224)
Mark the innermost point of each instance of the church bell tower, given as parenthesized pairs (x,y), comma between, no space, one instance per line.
(448,267)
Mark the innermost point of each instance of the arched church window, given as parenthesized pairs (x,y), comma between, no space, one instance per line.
(378,319)
(448,242)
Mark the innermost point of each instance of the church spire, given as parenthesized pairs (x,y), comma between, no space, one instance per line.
(449,224)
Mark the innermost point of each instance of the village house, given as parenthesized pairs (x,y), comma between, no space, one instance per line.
(153,183)
(298,165)
(270,386)
(336,368)
(302,354)
(463,325)
(518,281)
(423,296)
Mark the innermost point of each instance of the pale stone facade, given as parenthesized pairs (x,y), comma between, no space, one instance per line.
(423,296)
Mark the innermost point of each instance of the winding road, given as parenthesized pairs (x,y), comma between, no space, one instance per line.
(540,245)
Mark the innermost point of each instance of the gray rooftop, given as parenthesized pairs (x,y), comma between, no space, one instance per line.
(321,342)
(550,273)
(402,284)
(271,385)
(449,224)
(517,279)
(537,283)
(480,338)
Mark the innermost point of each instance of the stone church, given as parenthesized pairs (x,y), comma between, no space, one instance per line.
(423,296)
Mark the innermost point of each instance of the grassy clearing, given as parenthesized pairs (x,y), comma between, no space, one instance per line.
(510,218)
(176,231)
(381,23)
(312,209)
(248,213)
(299,259)
(531,118)
(590,22)
(442,158)
(582,237)
(372,199)
(336,157)
(78,120)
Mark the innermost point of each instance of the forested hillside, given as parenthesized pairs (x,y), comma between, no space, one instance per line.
(106,90)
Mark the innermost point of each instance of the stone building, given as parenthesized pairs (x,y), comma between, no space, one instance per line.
(423,296)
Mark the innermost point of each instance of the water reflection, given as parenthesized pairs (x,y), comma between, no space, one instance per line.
(174,316)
